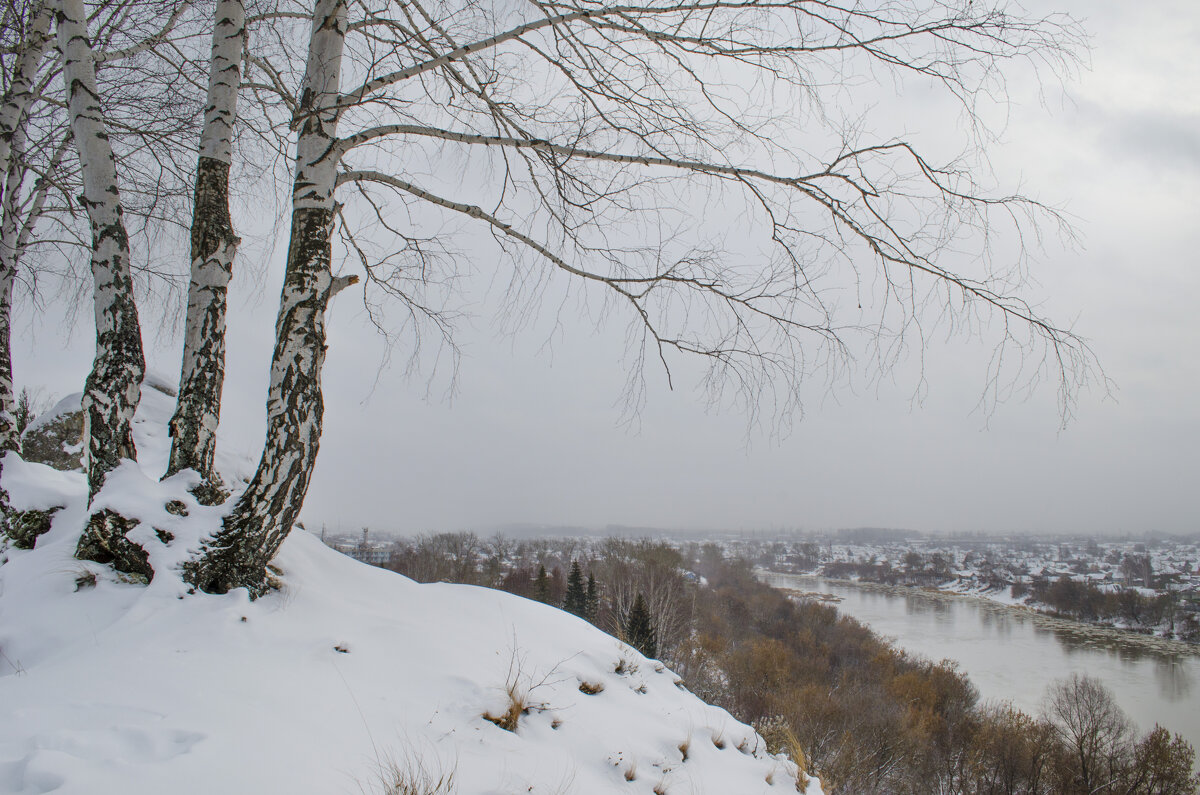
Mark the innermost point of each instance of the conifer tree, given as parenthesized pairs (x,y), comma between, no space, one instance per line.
(541,586)
(576,600)
(591,599)
(639,631)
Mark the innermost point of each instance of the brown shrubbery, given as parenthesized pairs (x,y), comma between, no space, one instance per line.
(872,719)
(868,717)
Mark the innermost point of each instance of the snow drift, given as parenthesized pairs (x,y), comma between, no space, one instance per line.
(339,680)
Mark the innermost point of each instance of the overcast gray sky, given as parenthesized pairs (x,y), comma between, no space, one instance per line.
(533,432)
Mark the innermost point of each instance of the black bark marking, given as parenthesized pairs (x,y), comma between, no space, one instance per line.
(198,409)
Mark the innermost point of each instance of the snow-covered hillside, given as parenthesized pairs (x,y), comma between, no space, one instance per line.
(331,683)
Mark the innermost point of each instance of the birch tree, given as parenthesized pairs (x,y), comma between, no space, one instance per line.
(140,106)
(30,49)
(593,135)
(113,387)
(213,245)
(264,514)
(31,26)
(39,182)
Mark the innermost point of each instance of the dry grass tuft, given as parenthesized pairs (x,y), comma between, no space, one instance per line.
(518,689)
(685,746)
(414,776)
(796,754)
(591,688)
(781,739)
(518,705)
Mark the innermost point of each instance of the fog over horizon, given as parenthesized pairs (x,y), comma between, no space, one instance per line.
(867,536)
(533,432)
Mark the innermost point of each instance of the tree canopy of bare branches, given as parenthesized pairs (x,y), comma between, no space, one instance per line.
(726,179)
(596,143)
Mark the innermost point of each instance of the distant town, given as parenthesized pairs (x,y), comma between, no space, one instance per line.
(1149,584)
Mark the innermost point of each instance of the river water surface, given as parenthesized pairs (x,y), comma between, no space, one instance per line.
(1013,654)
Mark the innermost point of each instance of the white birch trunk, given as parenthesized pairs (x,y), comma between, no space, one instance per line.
(238,554)
(198,411)
(13,110)
(20,93)
(16,232)
(113,387)
(10,227)
(10,441)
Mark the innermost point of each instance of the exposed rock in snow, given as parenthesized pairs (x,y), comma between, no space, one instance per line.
(56,437)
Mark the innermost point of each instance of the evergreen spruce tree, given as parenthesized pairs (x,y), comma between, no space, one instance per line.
(591,599)
(541,586)
(576,600)
(25,414)
(639,631)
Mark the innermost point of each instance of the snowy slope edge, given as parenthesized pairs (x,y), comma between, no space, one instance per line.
(316,688)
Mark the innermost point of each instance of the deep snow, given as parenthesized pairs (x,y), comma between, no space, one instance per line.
(119,687)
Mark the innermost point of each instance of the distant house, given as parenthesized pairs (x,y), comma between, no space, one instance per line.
(376,554)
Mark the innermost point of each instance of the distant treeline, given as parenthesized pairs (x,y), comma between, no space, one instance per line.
(847,706)
(1086,602)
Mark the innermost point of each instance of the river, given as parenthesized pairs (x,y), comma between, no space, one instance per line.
(1013,654)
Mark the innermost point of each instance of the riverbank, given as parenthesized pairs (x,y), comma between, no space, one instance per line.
(1113,638)
(1014,654)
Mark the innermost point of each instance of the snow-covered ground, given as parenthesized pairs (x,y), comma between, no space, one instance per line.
(345,673)
(968,587)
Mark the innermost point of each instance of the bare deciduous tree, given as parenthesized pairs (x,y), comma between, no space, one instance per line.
(27,36)
(30,44)
(114,386)
(1093,728)
(654,572)
(143,116)
(595,143)
(214,243)
(264,514)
